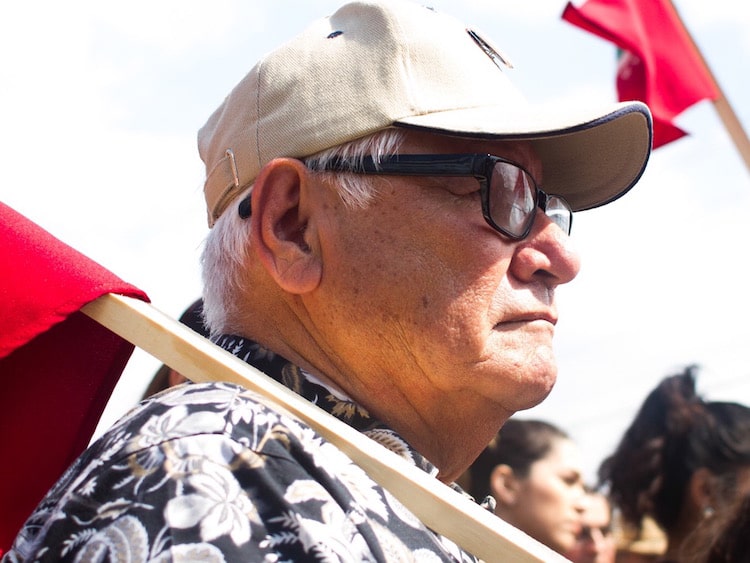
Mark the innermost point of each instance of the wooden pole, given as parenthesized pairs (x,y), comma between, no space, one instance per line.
(726,113)
(438,506)
(734,127)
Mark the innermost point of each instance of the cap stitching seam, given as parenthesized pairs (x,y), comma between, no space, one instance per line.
(257,112)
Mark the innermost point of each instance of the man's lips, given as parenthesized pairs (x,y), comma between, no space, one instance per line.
(527,318)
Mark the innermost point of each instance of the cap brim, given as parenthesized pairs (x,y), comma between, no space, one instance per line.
(590,158)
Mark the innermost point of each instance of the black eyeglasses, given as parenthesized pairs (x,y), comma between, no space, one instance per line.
(509,193)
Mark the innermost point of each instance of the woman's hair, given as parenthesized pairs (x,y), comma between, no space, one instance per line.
(731,535)
(225,251)
(518,444)
(675,433)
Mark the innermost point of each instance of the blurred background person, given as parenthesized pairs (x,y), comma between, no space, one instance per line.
(533,471)
(726,533)
(596,542)
(682,460)
(730,538)
(165,377)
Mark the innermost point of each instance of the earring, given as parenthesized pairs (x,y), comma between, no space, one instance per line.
(708,512)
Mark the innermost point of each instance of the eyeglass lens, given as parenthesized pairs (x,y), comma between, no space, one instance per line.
(512,201)
(559,212)
(511,198)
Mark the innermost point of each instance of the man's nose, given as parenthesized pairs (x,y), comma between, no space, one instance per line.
(547,252)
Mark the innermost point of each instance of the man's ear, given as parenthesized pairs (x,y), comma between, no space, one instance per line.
(504,485)
(280,223)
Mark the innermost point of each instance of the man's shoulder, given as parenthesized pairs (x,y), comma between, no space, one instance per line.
(219,468)
(218,409)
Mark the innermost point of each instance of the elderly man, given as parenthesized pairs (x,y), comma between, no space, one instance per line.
(389,223)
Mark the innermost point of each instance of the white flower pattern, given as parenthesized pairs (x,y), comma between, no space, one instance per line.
(211,472)
(218,505)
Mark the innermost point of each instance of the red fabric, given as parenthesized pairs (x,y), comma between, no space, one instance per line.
(660,65)
(57,366)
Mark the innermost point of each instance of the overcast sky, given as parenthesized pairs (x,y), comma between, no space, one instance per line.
(100,103)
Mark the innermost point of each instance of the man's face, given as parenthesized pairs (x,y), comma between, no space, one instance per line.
(420,292)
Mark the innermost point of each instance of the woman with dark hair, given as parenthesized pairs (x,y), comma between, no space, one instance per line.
(532,469)
(681,460)
(730,538)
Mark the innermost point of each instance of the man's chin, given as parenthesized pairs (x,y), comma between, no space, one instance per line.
(533,403)
(534,392)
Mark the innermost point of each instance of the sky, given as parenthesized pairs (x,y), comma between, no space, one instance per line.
(100,103)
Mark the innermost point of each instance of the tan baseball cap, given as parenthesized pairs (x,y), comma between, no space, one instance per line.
(374,65)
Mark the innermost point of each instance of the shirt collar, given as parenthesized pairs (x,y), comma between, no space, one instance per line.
(312,388)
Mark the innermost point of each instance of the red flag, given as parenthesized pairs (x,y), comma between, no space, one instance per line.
(659,65)
(58,367)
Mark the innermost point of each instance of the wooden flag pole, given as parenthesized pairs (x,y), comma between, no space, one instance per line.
(733,126)
(726,113)
(438,506)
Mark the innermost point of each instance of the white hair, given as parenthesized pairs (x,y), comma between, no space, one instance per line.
(225,253)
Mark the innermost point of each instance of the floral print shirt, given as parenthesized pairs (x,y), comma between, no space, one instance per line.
(212,472)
